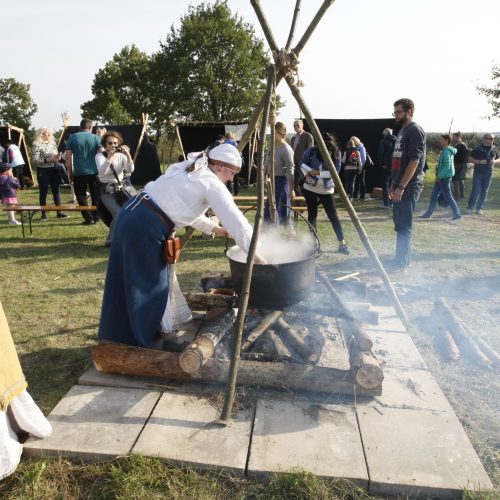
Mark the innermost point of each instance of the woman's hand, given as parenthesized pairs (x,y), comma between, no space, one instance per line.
(258,259)
(219,231)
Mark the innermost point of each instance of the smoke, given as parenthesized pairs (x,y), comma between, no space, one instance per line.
(276,248)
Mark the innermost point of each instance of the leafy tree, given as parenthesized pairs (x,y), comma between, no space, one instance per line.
(493,93)
(121,89)
(212,68)
(16,105)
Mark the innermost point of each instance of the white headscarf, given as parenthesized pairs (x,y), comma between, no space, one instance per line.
(225,154)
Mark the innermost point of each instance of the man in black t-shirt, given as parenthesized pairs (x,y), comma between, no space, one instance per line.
(484,157)
(408,159)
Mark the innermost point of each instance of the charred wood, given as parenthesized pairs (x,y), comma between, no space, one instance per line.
(296,341)
(201,300)
(352,325)
(268,320)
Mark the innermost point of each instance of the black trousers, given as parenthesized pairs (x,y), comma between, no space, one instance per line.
(82,184)
(48,177)
(328,202)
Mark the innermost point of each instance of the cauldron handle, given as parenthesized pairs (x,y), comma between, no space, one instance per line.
(311,228)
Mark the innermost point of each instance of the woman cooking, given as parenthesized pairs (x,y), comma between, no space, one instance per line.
(138,282)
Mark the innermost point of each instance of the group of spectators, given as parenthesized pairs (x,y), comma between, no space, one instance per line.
(94,165)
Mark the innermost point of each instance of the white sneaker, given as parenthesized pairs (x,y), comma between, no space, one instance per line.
(479,212)
(469,211)
(14,223)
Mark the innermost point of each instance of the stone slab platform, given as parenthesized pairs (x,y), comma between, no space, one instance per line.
(95,422)
(406,441)
(320,438)
(183,428)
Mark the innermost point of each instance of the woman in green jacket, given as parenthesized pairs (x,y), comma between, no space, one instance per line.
(444,172)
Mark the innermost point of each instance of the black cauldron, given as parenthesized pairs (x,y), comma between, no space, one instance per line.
(275,286)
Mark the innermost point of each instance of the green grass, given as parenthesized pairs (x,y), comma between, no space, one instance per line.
(51,289)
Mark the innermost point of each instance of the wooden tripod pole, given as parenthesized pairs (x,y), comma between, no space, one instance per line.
(343,196)
(279,73)
(245,288)
(319,141)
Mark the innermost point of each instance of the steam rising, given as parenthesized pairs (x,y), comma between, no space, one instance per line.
(278,250)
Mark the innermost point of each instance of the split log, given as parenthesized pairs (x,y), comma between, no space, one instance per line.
(203,346)
(352,325)
(297,342)
(137,361)
(201,300)
(489,351)
(459,331)
(447,345)
(369,374)
(266,322)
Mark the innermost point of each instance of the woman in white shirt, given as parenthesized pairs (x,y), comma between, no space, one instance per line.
(112,164)
(138,281)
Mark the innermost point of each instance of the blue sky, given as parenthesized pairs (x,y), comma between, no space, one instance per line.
(364,54)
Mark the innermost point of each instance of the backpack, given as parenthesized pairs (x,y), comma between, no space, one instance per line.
(353,159)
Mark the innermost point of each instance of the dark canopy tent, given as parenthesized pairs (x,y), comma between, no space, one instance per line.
(143,150)
(197,136)
(17,134)
(369,133)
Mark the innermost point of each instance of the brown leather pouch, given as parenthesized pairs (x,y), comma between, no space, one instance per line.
(172,250)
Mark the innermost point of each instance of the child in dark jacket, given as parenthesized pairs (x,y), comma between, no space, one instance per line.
(8,186)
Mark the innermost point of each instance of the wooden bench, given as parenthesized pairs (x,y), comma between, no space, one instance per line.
(250,203)
(28,211)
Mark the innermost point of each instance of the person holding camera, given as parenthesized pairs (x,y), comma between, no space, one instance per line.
(113,164)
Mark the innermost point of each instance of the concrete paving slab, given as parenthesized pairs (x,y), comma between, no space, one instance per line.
(321,438)
(182,429)
(411,389)
(396,350)
(95,422)
(418,452)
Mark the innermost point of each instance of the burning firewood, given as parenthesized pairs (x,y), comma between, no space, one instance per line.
(297,342)
(267,321)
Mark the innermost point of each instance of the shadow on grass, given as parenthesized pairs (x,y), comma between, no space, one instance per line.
(65,332)
(50,372)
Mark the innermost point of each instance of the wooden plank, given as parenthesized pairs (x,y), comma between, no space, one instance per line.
(50,208)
